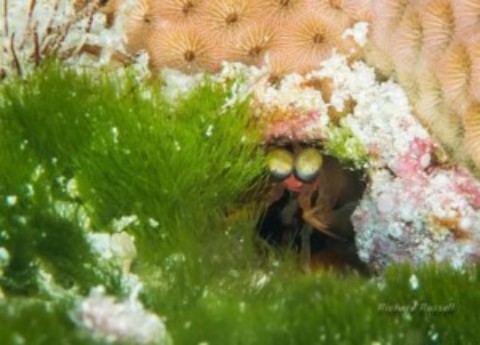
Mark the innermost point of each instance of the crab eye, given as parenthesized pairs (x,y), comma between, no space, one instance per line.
(308,163)
(280,163)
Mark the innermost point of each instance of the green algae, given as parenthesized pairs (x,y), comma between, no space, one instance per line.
(180,169)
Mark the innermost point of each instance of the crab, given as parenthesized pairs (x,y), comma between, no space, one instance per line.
(313,193)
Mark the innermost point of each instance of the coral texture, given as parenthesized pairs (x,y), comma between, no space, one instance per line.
(114,321)
(434,42)
(431,47)
(418,208)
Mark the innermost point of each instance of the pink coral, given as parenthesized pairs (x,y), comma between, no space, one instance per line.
(418,158)
(294,125)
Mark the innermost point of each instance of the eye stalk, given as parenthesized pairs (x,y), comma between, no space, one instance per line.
(308,164)
(280,163)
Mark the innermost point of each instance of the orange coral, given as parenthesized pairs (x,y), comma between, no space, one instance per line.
(438,27)
(467,17)
(310,39)
(278,12)
(432,111)
(138,25)
(453,71)
(332,9)
(387,15)
(471,122)
(474,52)
(407,42)
(358,9)
(223,20)
(178,11)
(251,44)
(182,47)
(279,64)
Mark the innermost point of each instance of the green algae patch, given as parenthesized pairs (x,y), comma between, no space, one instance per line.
(84,154)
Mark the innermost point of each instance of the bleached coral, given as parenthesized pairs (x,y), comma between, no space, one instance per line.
(114,321)
(177,84)
(119,247)
(382,118)
(419,218)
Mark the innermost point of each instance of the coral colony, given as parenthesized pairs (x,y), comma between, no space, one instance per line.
(401,78)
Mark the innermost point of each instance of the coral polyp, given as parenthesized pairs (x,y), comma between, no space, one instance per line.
(279,12)
(182,47)
(453,71)
(333,10)
(438,27)
(467,17)
(387,15)
(178,11)
(358,9)
(407,43)
(474,53)
(311,39)
(139,25)
(471,123)
(430,109)
(223,20)
(251,44)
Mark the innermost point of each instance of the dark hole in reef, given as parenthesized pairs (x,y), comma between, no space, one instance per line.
(276,232)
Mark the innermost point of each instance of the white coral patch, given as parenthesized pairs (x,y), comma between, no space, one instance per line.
(114,321)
